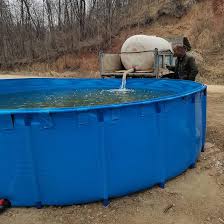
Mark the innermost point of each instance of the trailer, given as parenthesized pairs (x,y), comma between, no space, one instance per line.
(111,65)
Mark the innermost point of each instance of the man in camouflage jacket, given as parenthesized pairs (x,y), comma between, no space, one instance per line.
(185,67)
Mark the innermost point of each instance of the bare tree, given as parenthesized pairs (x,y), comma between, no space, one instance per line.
(39,30)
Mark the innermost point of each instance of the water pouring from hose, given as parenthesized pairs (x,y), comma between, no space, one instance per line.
(124,78)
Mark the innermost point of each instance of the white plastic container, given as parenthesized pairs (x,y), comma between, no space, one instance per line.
(134,52)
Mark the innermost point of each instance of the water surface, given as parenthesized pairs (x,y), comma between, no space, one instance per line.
(61,98)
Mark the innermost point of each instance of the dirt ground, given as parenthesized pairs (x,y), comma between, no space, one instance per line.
(196,197)
(51,74)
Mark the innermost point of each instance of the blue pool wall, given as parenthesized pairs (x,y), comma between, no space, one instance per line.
(79,155)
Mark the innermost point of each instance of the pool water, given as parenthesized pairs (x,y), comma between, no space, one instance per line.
(61,98)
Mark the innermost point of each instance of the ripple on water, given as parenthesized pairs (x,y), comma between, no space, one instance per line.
(61,98)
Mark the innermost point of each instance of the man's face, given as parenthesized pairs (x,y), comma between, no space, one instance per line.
(179,51)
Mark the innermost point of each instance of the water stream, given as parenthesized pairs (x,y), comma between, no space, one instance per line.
(124,82)
(124,78)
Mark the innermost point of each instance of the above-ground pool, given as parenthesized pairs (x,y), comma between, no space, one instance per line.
(82,151)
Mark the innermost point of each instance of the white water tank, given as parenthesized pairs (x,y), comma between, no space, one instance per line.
(134,52)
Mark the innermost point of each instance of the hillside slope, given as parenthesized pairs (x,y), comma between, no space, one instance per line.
(203,24)
(201,21)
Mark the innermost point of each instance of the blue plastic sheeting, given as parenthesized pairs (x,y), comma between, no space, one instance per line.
(78,155)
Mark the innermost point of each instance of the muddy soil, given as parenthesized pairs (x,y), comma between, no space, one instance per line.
(196,197)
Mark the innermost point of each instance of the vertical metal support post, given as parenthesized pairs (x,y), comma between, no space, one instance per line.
(164,59)
(101,62)
(156,63)
(204,118)
(31,158)
(159,111)
(100,118)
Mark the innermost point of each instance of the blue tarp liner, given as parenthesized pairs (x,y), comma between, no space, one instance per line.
(70,156)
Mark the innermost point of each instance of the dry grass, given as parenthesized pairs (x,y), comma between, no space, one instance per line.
(69,62)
